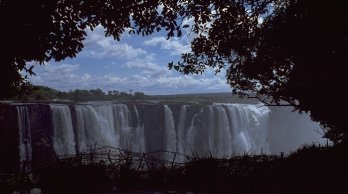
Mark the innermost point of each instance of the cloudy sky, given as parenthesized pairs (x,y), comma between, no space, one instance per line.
(135,63)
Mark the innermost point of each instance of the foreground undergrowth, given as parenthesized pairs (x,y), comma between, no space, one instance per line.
(311,169)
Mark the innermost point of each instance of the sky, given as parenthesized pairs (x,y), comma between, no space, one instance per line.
(134,63)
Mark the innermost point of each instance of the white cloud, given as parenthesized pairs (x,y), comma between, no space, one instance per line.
(115,49)
(86,77)
(62,69)
(60,76)
(99,46)
(136,68)
(138,63)
(68,76)
(174,45)
(147,66)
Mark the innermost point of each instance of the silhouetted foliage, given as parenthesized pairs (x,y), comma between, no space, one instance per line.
(311,169)
(283,52)
(296,55)
(41,31)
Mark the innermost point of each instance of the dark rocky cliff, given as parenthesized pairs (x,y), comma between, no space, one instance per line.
(9,157)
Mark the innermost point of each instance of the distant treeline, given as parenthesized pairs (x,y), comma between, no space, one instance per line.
(46,93)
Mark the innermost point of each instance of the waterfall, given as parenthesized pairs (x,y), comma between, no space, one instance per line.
(181,136)
(122,116)
(222,133)
(138,136)
(241,142)
(190,134)
(24,134)
(223,130)
(218,129)
(97,125)
(249,127)
(170,130)
(108,125)
(63,134)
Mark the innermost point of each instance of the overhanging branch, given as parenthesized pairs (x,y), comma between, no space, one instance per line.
(267,103)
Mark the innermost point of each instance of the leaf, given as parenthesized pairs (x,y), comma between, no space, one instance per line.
(179,33)
(170,65)
(170,34)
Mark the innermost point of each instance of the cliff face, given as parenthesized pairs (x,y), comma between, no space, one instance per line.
(25,135)
(9,158)
(152,118)
(40,132)
(40,129)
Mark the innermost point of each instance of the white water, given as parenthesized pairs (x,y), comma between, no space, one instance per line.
(96,125)
(63,134)
(220,130)
(137,134)
(249,127)
(108,125)
(171,137)
(223,130)
(25,150)
(181,137)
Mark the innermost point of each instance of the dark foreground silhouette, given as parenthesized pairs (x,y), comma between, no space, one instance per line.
(311,169)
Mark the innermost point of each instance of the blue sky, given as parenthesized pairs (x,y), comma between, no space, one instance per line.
(135,63)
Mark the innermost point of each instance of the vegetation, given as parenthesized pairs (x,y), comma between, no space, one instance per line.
(40,31)
(204,98)
(46,93)
(284,51)
(311,169)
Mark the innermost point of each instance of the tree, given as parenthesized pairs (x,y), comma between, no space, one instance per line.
(139,96)
(280,51)
(97,94)
(42,93)
(44,30)
(286,51)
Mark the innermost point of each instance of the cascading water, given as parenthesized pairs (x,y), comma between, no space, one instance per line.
(249,127)
(137,134)
(96,125)
(222,136)
(220,130)
(63,134)
(25,150)
(226,129)
(108,125)
(171,137)
(181,140)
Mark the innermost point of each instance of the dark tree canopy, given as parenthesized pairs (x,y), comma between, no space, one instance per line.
(43,30)
(297,55)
